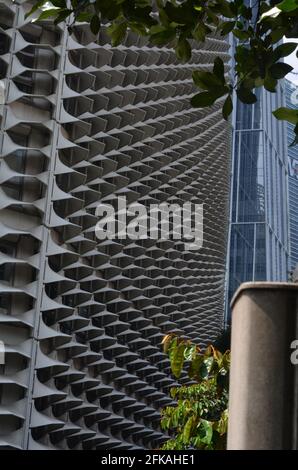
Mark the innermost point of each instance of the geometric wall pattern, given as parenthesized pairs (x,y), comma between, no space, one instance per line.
(82,319)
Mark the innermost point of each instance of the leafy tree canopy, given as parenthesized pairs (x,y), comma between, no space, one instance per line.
(259,55)
(199,417)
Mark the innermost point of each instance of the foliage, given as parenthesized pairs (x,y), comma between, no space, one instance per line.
(258,30)
(200,417)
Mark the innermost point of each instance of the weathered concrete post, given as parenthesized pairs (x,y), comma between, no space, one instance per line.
(262,401)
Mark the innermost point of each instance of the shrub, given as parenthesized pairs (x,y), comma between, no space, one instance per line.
(200,417)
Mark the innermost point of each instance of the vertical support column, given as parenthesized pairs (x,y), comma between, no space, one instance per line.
(262,391)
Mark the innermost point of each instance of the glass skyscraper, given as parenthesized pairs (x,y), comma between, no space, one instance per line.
(258,239)
(292,102)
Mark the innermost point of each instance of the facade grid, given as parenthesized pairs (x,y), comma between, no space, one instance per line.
(82,319)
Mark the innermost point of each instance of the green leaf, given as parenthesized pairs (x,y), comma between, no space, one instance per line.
(63,14)
(181,14)
(195,365)
(227,27)
(165,423)
(95,24)
(242,35)
(277,34)
(201,100)
(117,31)
(205,431)
(187,430)
(264,7)
(162,37)
(295,141)
(288,5)
(227,107)
(50,13)
(189,352)
(270,83)
(219,69)
(140,3)
(109,10)
(35,7)
(226,360)
(246,12)
(164,20)
(206,80)
(133,13)
(258,82)
(222,425)
(286,114)
(246,96)
(139,29)
(224,7)
(177,359)
(59,3)
(200,31)
(284,50)
(183,50)
(172,348)
(84,17)
(280,69)
(206,367)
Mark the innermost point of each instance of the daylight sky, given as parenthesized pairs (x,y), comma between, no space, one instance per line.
(293,61)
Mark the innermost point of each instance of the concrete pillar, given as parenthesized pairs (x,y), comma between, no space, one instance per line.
(262,404)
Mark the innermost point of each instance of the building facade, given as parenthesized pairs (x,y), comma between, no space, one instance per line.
(258,238)
(291,91)
(82,319)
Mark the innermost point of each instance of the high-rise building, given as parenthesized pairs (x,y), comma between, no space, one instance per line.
(258,238)
(82,319)
(291,91)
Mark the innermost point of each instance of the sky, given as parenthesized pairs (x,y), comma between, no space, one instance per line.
(293,61)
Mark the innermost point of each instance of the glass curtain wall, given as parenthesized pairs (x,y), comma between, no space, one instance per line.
(258,240)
